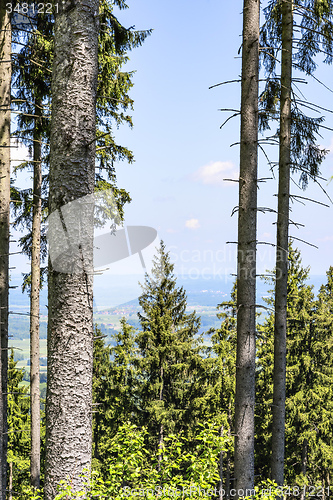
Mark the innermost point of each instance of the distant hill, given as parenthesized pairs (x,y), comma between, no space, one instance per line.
(109,292)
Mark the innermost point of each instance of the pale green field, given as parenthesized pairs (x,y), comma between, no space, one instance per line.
(23,347)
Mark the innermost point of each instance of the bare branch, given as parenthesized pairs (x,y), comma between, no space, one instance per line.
(223,83)
(226,121)
(309,199)
(303,241)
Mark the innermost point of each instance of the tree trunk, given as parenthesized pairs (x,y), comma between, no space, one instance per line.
(72,175)
(160,447)
(34,304)
(2,485)
(247,235)
(227,474)
(5,102)
(221,469)
(280,327)
(10,494)
(304,464)
(227,477)
(161,430)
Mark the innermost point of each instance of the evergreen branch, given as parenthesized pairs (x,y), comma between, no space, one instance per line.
(314,31)
(229,118)
(309,199)
(229,109)
(303,241)
(270,55)
(316,105)
(223,83)
(265,154)
(319,81)
(298,168)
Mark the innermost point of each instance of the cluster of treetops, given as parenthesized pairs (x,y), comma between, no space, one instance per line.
(164,379)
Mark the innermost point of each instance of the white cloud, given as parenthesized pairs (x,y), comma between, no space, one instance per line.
(214,172)
(266,235)
(192,224)
(325,239)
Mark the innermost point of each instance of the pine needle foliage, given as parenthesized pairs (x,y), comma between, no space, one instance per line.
(18,427)
(114,390)
(222,353)
(32,82)
(169,354)
(309,380)
(312,36)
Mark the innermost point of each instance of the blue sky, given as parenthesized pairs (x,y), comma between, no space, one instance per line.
(181,154)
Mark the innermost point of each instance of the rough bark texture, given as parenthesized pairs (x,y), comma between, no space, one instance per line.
(221,469)
(5,87)
(304,464)
(280,327)
(227,477)
(70,327)
(247,234)
(10,485)
(161,434)
(2,492)
(227,474)
(34,305)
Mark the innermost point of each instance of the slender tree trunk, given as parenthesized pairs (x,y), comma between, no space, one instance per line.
(304,464)
(227,477)
(160,436)
(221,469)
(34,304)
(10,494)
(280,327)
(227,474)
(247,235)
(160,446)
(2,486)
(72,175)
(5,102)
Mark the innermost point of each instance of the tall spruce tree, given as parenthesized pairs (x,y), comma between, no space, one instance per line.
(169,354)
(19,423)
(281,280)
(115,388)
(5,116)
(70,298)
(297,152)
(223,350)
(246,253)
(32,81)
(320,447)
(308,456)
(299,314)
(33,98)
